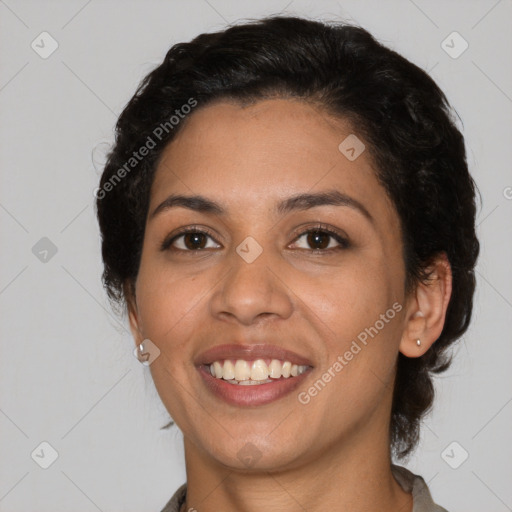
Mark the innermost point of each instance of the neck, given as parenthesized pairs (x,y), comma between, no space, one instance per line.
(352,477)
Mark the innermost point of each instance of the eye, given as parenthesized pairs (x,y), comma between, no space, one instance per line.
(317,239)
(190,240)
(320,239)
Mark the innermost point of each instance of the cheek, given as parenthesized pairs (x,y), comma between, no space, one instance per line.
(353,295)
(359,320)
(357,309)
(167,301)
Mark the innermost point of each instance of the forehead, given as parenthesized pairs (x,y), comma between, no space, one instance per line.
(248,156)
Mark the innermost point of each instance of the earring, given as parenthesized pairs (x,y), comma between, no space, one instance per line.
(418,342)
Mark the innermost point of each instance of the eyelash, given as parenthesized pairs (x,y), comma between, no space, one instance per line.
(320,228)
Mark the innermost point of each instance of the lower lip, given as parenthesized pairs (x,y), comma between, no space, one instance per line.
(257,394)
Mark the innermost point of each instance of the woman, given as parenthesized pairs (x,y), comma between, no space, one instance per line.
(288,218)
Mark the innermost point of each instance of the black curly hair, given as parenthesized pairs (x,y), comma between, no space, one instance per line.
(404,118)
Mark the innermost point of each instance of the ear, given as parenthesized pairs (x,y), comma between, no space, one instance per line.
(133,313)
(426,309)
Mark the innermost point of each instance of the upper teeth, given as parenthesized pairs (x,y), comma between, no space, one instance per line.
(254,370)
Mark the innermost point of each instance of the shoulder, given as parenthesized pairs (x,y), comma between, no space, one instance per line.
(415,484)
(174,504)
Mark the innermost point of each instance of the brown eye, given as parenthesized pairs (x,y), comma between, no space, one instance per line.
(192,240)
(318,239)
(321,240)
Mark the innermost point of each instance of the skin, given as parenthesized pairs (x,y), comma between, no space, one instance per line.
(333,453)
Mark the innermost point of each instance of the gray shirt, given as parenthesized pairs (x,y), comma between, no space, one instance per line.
(408,481)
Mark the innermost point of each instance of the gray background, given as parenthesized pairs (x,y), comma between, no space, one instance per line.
(68,375)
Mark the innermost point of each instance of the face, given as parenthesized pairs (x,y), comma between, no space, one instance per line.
(263,271)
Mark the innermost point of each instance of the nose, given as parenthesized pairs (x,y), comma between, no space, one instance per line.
(252,291)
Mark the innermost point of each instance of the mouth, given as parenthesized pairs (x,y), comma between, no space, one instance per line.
(251,376)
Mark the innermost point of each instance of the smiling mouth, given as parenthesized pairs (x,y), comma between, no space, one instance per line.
(244,372)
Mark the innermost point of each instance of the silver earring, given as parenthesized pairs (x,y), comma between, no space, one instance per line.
(418,342)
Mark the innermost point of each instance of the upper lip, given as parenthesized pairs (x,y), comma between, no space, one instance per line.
(250,352)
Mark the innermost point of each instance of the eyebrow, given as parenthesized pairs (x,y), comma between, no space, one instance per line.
(297,202)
